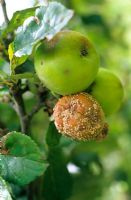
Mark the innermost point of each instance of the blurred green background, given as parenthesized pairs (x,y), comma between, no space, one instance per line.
(100,170)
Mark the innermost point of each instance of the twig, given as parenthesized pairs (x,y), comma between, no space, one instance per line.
(34,111)
(47,98)
(3,4)
(19,107)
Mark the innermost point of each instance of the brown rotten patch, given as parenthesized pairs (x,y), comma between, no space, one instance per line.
(79,116)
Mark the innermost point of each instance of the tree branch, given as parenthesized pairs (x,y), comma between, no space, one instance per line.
(19,107)
(3,4)
(34,111)
(44,101)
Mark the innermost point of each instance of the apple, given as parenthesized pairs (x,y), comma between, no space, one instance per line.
(107,89)
(67,64)
(80,117)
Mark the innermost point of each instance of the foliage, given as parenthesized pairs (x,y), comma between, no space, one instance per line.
(20,151)
(4,190)
(56,178)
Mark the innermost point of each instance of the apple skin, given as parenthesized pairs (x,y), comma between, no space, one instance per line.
(80,117)
(67,64)
(107,89)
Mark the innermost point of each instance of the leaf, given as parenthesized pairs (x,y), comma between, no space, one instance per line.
(57,180)
(4,66)
(21,161)
(18,19)
(26,75)
(4,190)
(48,20)
(27,66)
(3,75)
(15,61)
(4,69)
(52,135)
(25,71)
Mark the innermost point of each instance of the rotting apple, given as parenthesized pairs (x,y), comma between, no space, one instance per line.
(80,117)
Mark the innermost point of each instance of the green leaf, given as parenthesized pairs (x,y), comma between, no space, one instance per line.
(3,75)
(15,61)
(48,20)
(18,19)
(57,180)
(20,160)
(4,66)
(27,66)
(25,71)
(52,135)
(26,75)
(4,70)
(4,190)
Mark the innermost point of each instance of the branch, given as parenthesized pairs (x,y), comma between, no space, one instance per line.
(3,4)
(19,107)
(48,99)
(34,111)
(44,101)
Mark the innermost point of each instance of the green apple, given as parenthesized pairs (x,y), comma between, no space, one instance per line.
(108,91)
(67,64)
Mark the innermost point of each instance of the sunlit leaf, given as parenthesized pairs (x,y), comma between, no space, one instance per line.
(15,61)
(18,19)
(4,190)
(4,70)
(47,21)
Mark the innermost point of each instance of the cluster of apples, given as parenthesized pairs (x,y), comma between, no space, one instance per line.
(69,65)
